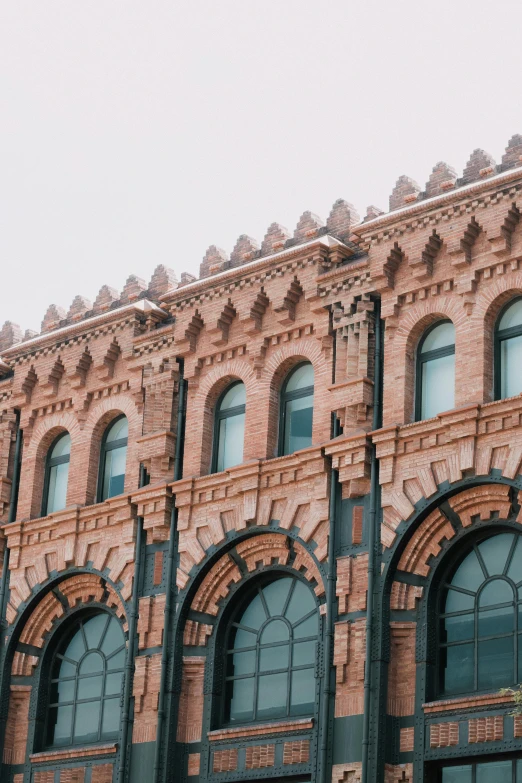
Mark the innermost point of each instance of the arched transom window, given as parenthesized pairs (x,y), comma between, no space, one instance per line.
(480,633)
(271,653)
(508,352)
(435,391)
(86,682)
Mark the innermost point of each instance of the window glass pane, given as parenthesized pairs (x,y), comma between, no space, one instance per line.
(304,653)
(515,567)
(242,699)
(93,662)
(57,490)
(298,424)
(458,602)
(511,366)
(301,603)
(459,628)
(519,678)
(114,474)
(272,695)
(302,695)
(59,727)
(458,669)
(117,660)
(440,336)
(63,668)
(495,552)
(94,628)
(231,435)
(300,378)
(242,663)
(62,691)
(76,647)
(111,717)
(457,774)
(497,771)
(62,446)
(437,386)
(512,316)
(271,658)
(494,622)
(86,723)
(469,574)
(276,594)
(275,631)
(113,683)
(306,628)
(235,396)
(254,615)
(242,638)
(495,663)
(496,592)
(113,638)
(118,430)
(90,687)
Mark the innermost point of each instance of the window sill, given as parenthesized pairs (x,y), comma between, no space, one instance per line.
(254,729)
(466,702)
(80,751)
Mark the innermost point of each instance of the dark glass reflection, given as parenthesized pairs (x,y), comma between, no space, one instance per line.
(297,409)
(114,458)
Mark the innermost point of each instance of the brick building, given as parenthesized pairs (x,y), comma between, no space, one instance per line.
(206,485)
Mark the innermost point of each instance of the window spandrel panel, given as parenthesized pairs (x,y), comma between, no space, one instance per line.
(437,386)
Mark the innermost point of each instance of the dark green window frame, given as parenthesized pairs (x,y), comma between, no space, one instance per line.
(285,398)
(219,415)
(500,336)
(422,359)
(104,449)
(51,462)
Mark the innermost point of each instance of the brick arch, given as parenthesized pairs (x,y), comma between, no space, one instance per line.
(200,411)
(277,366)
(255,551)
(401,352)
(99,418)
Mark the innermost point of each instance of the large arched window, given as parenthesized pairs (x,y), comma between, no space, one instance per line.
(297,409)
(113,458)
(435,391)
(480,630)
(56,474)
(508,351)
(86,682)
(271,653)
(229,428)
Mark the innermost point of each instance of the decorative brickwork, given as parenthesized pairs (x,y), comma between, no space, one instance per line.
(102,773)
(443,735)
(347,773)
(194,763)
(407,739)
(486,729)
(260,756)
(296,752)
(224,760)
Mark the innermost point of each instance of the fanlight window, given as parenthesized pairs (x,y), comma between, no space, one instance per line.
(436,371)
(270,667)
(508,352)
(57,475)
(480,633)
(229,428)
(86,683)
(113,459)
(297,409)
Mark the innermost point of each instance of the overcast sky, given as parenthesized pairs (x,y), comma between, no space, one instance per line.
(138,133)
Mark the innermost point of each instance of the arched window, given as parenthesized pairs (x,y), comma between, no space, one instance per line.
(297,410)
(480,631)
(229,428)
(86,682)
(56,474)
(113,457)
(271,653)
(508,351)
(436,371)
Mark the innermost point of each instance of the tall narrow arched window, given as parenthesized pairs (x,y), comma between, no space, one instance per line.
(86,682)
(508,351)
(480,630)
(229,428)
(435,391)
(297,410)
(113,458)
(271,650)
(56,474)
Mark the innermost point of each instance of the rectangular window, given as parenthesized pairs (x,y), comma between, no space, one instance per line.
(500,771)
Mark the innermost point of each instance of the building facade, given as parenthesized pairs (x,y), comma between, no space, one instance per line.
(265,524)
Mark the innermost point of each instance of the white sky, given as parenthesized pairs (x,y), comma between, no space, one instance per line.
(138,133)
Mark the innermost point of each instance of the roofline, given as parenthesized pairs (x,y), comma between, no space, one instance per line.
(444,198)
